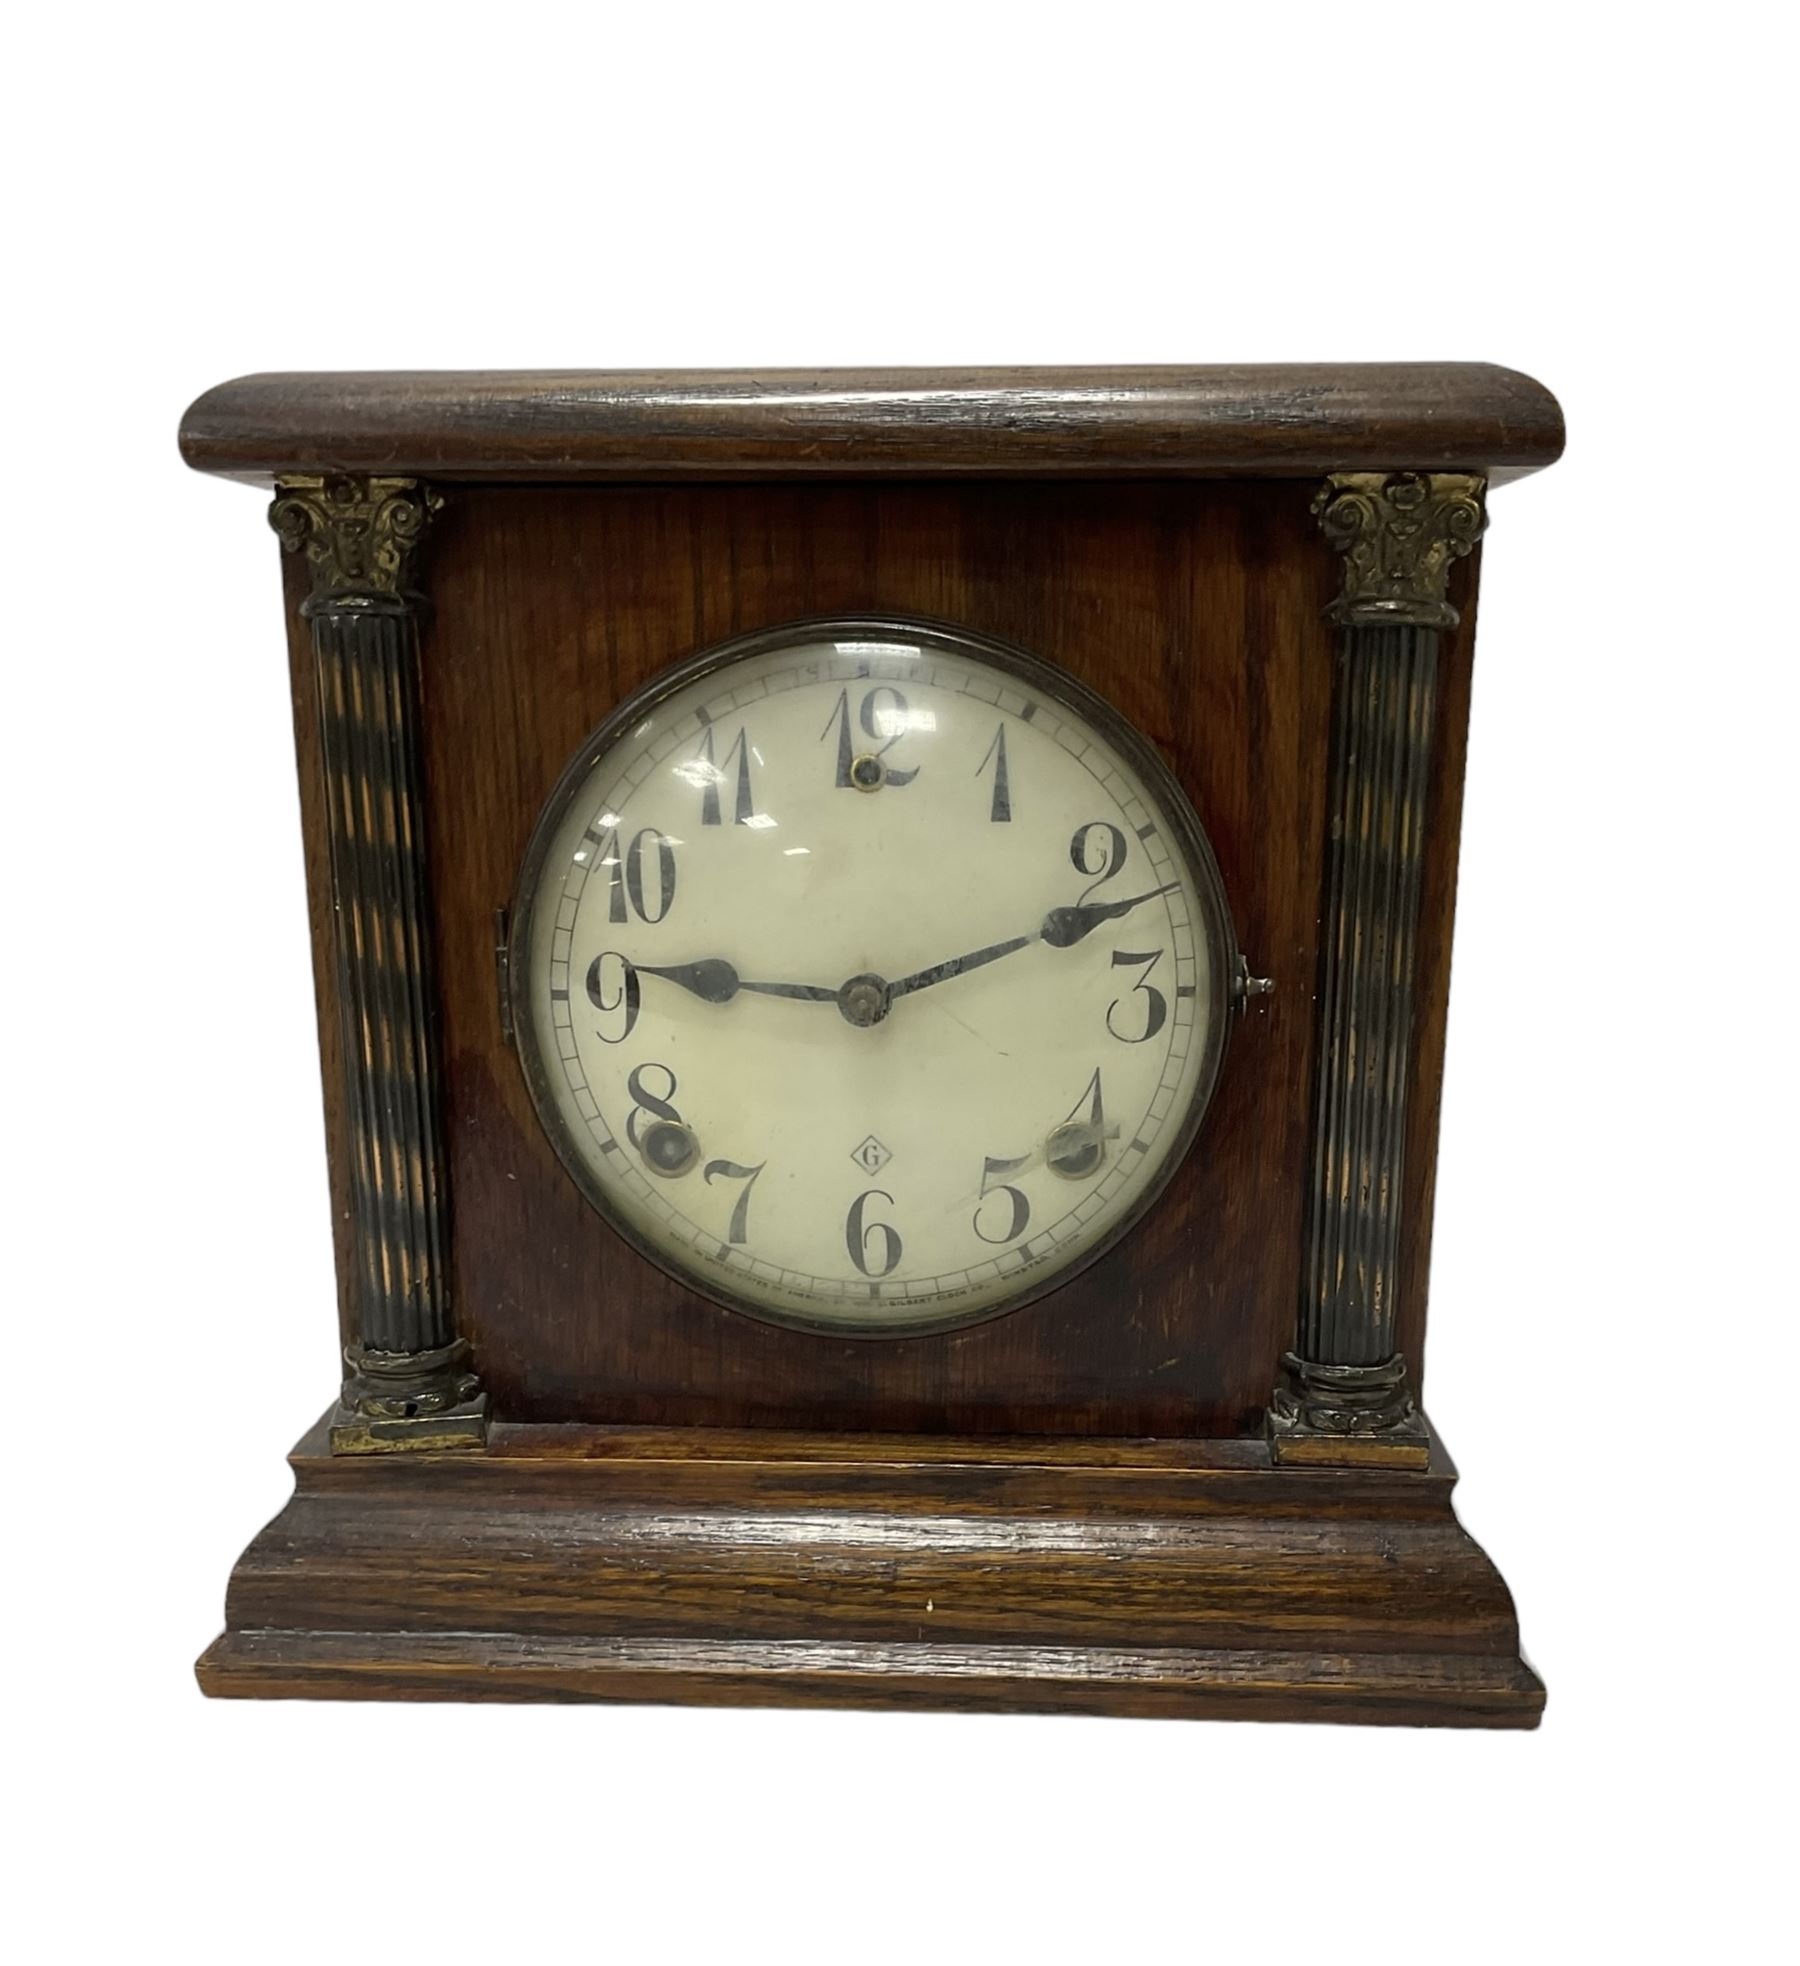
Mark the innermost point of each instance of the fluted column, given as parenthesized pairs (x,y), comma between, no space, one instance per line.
(1345,1397)
(408,1381)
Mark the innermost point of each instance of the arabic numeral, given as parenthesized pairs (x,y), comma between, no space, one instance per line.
(713,775)
(627,996)
(1098,851)
(731,1171)
(665,874)
(1020,1204)
(858,1234)
(883,716)
(625,875)
(1000,811)
(1156,1005)
(1076,1149)
(658,1106)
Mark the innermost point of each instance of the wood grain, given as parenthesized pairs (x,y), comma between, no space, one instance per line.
(1111,1578)
(1275,420)
(1198,610)
(1167,1683)
(1070,1507)
(1143,593)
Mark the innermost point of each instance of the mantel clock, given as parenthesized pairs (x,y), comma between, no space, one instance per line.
(882,944)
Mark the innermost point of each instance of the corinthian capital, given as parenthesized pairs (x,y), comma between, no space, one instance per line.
(359,535)
(1399,532)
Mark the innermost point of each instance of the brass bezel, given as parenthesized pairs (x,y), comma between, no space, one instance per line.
(1044,677)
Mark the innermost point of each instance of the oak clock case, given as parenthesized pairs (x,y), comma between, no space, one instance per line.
(800,1237)
(901,808)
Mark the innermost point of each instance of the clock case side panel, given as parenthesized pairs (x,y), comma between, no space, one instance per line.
(549,606)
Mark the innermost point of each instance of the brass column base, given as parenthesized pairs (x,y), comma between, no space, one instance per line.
(398,1402)
(1346,1416)
(457,1426)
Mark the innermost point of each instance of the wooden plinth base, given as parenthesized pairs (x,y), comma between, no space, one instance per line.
(1124,1577)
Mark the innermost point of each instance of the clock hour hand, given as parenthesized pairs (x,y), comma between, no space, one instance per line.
(714,980)
(804,992)
(1064,927)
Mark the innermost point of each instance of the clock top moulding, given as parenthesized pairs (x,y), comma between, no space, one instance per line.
(1275,420)
(1354,492)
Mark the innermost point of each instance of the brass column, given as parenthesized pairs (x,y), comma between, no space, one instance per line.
(1345,1399)
(408,1382)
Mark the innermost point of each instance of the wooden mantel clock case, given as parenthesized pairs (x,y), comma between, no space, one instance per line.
(882,944)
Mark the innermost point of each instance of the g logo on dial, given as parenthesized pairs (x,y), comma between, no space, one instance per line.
(869,976)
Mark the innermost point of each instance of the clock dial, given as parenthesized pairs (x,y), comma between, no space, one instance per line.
(870,976)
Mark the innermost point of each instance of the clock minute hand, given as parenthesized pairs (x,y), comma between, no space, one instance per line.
(922,979)
(714,980)
(1064,927)
(1061,928)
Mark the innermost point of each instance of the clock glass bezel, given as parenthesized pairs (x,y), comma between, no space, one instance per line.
(1041,678)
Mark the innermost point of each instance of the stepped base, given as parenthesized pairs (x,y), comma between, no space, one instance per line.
(1119,1577)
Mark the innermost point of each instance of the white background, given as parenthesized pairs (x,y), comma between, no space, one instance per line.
(1593,194)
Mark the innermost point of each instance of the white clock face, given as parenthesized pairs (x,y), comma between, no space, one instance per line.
(870,977)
